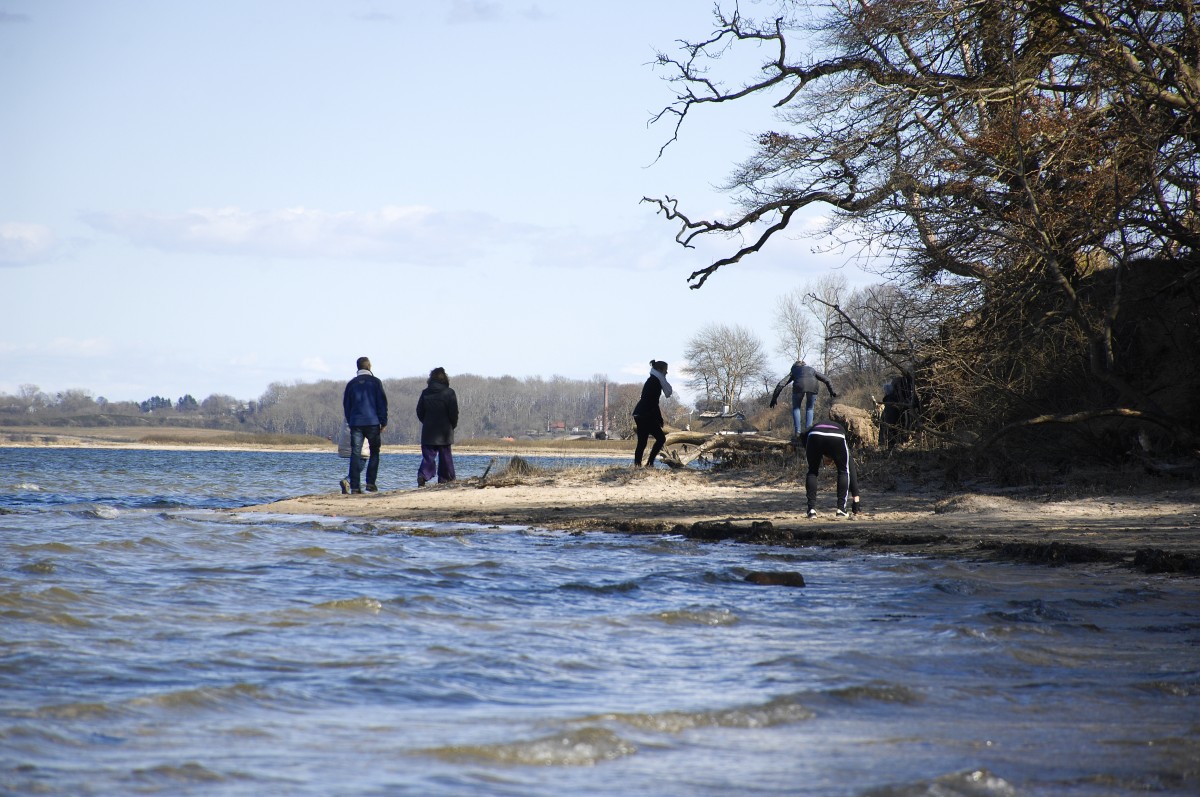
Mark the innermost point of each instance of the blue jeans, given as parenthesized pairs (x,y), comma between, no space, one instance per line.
(357,435)
(809,401)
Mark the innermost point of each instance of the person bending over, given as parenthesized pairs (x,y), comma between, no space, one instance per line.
(828,439)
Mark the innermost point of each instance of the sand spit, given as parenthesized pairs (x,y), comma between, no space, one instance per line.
(1155,532)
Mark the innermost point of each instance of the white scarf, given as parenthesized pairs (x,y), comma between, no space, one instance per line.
(662,378)
(362,371)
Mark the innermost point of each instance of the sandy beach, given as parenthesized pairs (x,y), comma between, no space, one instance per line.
(1154,531)
(1152,528)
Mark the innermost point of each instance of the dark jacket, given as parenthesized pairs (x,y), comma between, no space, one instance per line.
(647,407)
(804,380)
(364,401)
(437,409)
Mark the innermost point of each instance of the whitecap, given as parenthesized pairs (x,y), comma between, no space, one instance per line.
(974,783)
(370,605)
(784,710)
(100,511)
(580,748)
(697,616)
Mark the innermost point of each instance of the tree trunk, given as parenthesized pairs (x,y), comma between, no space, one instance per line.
(683,448)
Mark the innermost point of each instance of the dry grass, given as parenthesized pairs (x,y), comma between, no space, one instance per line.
(518,471)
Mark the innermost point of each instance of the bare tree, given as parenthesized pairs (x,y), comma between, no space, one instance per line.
(793,325)
(823,295)
(219,405)
(1019,145)
(32,397)
(902,334)
(882,326)
(74,400)
(722,361)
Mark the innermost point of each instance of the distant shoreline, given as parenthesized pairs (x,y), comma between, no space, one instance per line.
(218,440)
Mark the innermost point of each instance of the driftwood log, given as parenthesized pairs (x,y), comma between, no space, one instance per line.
(684,447)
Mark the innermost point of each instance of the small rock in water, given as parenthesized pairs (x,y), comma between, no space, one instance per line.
(783,579)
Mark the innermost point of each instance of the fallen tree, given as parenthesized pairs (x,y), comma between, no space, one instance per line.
(684,447)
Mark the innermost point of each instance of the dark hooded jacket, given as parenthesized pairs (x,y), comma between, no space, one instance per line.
(437,409)
(804,380)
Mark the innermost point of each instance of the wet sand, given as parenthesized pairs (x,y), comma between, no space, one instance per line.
(1154,531)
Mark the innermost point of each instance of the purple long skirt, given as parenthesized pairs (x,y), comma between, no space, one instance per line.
(436,460)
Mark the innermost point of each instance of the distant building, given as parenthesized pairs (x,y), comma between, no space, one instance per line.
(723,412)
(724,422)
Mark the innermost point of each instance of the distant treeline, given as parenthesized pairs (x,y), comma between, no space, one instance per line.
(489,407)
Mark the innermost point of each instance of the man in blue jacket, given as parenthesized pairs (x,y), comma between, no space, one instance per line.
(365,405)
(804,393)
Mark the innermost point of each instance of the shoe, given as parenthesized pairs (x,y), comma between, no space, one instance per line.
(420,480)
(345,485)
(372,488)
(812,513)
(842,513)
(356,492)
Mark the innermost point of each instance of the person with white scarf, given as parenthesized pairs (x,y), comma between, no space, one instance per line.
(647,415)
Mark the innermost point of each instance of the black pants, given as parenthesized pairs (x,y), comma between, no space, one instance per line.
(835,447)
(647,428)
(357,435)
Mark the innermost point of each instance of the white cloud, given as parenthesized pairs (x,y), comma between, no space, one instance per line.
(21,243)
(316,364)
(461,12)
(474,11)
(86,348)
(375,16)
(79,347)
(407,234)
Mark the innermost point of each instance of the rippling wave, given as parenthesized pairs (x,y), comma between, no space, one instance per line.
(583,747)
(150,645)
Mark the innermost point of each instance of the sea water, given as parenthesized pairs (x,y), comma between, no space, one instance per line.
(153,642)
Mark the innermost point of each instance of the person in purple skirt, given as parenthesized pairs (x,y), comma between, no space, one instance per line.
(437,409)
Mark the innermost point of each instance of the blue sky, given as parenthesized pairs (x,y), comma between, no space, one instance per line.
(208,197)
